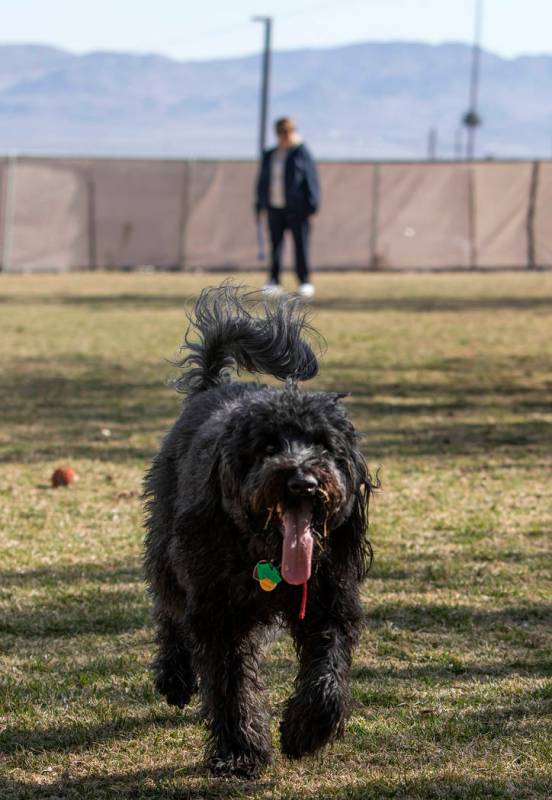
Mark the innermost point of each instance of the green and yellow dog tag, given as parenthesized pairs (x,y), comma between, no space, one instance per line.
(267,575)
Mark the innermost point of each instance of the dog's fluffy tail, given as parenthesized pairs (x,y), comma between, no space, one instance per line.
(233,329)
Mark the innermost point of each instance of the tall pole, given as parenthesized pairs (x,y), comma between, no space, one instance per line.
(471,119)
(265,83)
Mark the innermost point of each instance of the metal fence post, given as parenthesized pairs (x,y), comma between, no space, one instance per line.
(374,260)
(9,205)
(92,247)
(531,208)
(184,214)
(472,217)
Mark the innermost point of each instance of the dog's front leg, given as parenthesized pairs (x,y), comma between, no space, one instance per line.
(174,675)
(317,711)
(226,660)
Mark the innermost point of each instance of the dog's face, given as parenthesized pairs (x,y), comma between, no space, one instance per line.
(290,472)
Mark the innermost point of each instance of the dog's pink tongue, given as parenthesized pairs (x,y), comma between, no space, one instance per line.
(297,546)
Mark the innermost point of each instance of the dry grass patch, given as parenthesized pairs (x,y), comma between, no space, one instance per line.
(452,693)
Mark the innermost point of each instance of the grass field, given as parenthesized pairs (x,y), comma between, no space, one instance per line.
(452,388)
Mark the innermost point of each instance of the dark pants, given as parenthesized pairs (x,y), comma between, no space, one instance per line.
(280,220)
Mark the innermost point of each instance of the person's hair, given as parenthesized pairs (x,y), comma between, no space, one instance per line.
(279,124)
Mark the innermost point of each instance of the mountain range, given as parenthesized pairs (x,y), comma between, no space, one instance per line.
(362,101)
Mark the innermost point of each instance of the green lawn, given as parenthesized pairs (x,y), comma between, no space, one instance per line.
(451,378)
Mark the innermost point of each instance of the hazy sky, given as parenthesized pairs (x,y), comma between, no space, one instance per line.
(191,29)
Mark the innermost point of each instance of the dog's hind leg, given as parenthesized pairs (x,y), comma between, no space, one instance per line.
(226,654)
(318,709)
(174,675)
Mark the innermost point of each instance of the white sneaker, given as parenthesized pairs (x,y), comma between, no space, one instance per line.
(272,289)
(306,290)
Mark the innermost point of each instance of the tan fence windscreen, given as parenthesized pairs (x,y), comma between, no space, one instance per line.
(63,214)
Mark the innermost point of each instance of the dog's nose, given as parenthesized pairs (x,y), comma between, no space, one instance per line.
(299,483)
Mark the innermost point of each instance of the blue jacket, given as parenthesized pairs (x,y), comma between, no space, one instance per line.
(302,189)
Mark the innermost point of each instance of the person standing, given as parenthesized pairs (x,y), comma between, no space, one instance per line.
(288,190)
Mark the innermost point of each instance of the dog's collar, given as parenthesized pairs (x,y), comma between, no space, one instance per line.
(268,577)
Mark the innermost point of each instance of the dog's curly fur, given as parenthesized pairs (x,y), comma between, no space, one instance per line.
(214,497)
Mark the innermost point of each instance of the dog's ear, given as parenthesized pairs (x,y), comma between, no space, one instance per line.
(360,553)
(225,471)
(351,544)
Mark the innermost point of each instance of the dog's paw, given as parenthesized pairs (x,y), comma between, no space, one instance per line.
(175,691)
(307,727)
(293,740)
(239,765)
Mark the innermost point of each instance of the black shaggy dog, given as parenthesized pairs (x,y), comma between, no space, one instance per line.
(256,488)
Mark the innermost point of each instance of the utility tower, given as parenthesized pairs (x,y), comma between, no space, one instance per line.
(471,118)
